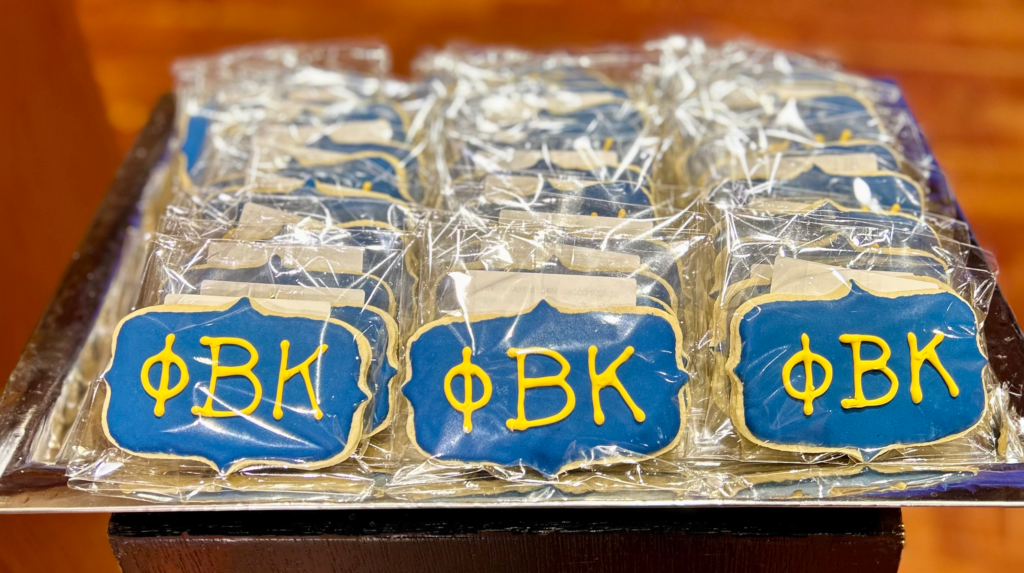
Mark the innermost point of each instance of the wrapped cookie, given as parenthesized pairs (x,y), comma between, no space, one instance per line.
(860,308)
(522,324)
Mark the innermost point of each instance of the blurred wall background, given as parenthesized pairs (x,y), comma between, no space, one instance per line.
(80,76)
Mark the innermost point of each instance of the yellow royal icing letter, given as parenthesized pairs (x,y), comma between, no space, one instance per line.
(860,366)
(219,371)
(164,392)
(467,370)
(917,360)
(520,422)
(302,369)
(610,378)
(807,358)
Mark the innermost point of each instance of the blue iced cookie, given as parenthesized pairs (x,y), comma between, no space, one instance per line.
(613,200)
(837,118)
(880,192)
(812,222)
(236,386)
(855,371)
(651,290)
(833,250)
(374,168)
(635,178)
(196,135)
(381,333)
(345,209)
(886,159)
(377,291)
(549,389)
(616,121)
(406,167)
(367,112)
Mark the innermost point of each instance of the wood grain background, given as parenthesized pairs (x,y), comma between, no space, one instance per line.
(79,77)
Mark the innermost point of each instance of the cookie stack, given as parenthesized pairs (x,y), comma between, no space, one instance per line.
(679,268)
(837,283)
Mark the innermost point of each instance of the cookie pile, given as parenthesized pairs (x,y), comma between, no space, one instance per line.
(676,267)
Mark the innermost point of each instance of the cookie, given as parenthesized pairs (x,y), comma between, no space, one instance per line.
(532,388)
(236,385)
(856,371)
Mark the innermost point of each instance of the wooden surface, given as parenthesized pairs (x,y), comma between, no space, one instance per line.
(960,63)
(514,541)
(960,540)
(963,540)
(58,156)
(55,543)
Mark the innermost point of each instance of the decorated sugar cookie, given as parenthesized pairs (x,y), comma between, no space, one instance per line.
(823,112)
(531,106)
(880,192)
(385,170)
(856,371)
(823,222)
(307,198)
(772,158)
(219,143)
(213,130)
(650,290)
(549,388)
(881,154)
(828,118)
(570,196)
(741,260)
(375,291)
(615,121)
(571,204)
(380,250)
(341,208)
(255,226)
(562,158)
(506,116)
(236,385)
(378,170)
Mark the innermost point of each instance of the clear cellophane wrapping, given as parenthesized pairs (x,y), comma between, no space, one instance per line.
(687,178)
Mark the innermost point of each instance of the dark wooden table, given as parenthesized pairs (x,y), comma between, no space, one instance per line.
(622,540)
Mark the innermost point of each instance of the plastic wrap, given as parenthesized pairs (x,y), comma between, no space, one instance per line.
(282,291)
(747,116)
(561,117)
(850,274)
(687,270)
(550,350)
(46,391)
(834,278)
(319,118)
(263,256)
